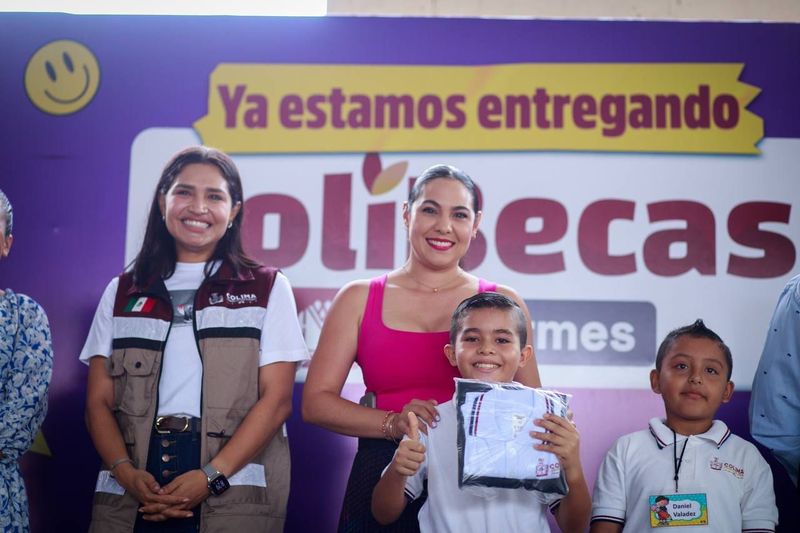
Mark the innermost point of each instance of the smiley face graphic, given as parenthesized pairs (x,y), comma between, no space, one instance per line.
(62,77)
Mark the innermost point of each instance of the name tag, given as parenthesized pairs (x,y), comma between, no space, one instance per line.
(669,510)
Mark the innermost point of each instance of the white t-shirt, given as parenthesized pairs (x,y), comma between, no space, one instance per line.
(182,369)
(478,509)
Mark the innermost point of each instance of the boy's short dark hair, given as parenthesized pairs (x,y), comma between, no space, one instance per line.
(697,330)
(489,300)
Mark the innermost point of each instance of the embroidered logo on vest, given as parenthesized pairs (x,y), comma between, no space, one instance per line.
(240,299)
(142,304)
(235,299)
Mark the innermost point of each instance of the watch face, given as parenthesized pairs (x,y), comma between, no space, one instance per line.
(218,485)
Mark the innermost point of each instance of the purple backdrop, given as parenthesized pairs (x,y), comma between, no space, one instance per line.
(68,179)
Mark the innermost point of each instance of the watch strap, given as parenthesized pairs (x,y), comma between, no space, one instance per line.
(210,471)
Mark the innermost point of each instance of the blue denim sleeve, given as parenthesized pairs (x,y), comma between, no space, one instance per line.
(775,401)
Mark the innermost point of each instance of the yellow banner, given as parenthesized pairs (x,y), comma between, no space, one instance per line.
(664,107)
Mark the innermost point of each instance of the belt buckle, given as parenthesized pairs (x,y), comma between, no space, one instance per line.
(167,431)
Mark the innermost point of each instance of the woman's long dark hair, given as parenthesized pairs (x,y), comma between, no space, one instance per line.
(157,256)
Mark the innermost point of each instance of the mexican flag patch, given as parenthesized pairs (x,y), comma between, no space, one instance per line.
(142,304)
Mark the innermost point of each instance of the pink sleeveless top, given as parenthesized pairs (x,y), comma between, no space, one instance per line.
(399,366)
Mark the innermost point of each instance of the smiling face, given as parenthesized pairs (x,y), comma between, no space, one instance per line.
(487,346)
(197,209)
(441,223)
(62,77)
(693,382)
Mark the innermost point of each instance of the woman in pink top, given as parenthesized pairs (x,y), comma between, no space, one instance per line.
(395,328)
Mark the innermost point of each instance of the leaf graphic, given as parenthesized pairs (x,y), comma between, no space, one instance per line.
(389,178)
(370,169)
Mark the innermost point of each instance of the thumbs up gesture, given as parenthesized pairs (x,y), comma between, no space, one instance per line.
(413,426)
(411,452)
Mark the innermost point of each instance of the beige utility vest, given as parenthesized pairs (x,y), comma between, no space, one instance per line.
(229,314)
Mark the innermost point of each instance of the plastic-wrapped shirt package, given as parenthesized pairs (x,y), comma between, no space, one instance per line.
(495,448)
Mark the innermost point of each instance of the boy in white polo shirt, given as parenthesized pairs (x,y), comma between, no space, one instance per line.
(488,342)
(688,470)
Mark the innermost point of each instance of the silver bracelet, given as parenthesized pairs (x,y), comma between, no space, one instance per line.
(119,462)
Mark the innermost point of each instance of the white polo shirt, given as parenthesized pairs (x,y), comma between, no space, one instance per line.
(472,509)
(726,470)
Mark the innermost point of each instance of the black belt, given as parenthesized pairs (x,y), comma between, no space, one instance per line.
(177,424)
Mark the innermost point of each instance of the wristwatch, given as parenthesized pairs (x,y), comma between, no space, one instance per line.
(217,482)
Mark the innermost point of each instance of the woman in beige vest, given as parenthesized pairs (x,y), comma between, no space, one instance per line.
(192,357)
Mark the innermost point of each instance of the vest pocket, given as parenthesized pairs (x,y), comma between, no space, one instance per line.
(133,372)
(259,488)
(220,426)
(112,512)
(116,371)
(240,500)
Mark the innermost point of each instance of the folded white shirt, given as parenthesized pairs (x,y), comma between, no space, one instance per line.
(495,441)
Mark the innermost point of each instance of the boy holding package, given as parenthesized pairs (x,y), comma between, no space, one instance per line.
(488,342)
(688,470)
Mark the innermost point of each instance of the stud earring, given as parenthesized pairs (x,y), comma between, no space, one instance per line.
(230,225)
